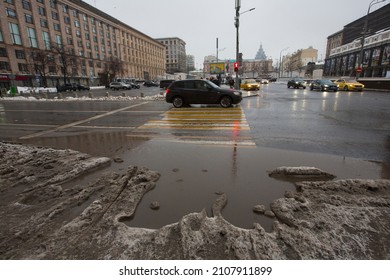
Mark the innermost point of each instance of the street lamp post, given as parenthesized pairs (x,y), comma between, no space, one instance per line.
(280,59)
(237,25)
(360,65)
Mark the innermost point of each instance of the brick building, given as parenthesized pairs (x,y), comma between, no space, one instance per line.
(38,36)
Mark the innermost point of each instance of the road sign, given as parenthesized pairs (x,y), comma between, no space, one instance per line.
(359,70)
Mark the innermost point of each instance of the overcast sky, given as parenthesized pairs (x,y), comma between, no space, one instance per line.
(276,24)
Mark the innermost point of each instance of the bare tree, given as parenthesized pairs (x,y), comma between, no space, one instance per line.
(112,68)
(68,61)
(39,62)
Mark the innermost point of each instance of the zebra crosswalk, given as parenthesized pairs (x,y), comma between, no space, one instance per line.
(200,125)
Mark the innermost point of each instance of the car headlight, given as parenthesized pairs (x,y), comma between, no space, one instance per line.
(238,93)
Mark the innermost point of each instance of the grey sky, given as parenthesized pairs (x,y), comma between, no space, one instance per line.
(276,24)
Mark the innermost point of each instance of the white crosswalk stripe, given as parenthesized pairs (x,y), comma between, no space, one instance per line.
(197,125)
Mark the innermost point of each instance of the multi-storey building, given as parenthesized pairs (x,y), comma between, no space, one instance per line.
(49,42)
(175,54)
(344,50)
(295,64)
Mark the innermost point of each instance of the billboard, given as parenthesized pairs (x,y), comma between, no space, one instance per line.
(217,68)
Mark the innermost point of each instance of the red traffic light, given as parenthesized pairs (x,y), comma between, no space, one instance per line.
(235,66)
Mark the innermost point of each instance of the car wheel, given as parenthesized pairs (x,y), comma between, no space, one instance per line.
(226,102)
(288,86)
(346,88)
(311,88)
(178,102)
(304,87)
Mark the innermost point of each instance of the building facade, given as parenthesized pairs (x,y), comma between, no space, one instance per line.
(49,42)
(345,47)
(175,54)
(295,65)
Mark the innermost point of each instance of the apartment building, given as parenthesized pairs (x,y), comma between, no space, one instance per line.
(176,58)
(49,42)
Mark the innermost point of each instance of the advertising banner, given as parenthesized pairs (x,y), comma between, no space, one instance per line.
(217,68)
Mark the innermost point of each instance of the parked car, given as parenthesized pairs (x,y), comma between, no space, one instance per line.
(349,84)
(66,87)
(264,81)
(135,85)
(165,83)
(296,83)
(119,86)
(186,92)
(150,84)
(82,87)
(324,85)
(249,84)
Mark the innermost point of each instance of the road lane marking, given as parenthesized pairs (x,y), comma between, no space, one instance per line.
(38,134)
(199,119)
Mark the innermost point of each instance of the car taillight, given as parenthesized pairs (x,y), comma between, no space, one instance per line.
(167,91)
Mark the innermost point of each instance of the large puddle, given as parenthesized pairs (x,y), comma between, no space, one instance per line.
(192,176)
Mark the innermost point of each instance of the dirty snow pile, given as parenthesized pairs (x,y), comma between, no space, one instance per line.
(47,214)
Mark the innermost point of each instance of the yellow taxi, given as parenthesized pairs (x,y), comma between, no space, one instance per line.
(249,84)
(349,84)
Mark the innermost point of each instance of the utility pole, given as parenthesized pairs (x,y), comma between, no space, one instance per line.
(237,24)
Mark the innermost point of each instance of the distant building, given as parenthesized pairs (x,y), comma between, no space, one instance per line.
(260,54)
(344,47)
(176,58)
(295,64)
(190,63)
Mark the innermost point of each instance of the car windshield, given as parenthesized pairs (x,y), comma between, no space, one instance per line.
(299,80)
(249,81)
(351,81)
(327,81)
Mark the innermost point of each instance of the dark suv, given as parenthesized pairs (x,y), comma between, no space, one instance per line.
(296,83)
(185,92)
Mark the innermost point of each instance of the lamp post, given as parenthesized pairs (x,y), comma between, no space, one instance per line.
(280,59)
(360,65)
(237,25)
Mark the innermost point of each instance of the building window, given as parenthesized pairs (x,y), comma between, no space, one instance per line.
(54,15)
(3,52)
(53,4)
(67,30)
(10,12)
(78,33)
(32,37)
(67,20)
(28,18)
(52,69)
(1,36)
(65,8)
(20,54)
(59,40)
(42,11)
(26,5)
(76,23)
(40,1)
(5,66)
(56,27)
(23,67)
(15,34)
(46,39)
(44,23)
(69,41)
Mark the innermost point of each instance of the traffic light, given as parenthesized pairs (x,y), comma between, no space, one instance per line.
(235,66)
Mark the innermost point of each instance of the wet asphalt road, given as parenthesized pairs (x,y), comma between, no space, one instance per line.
(205,150)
